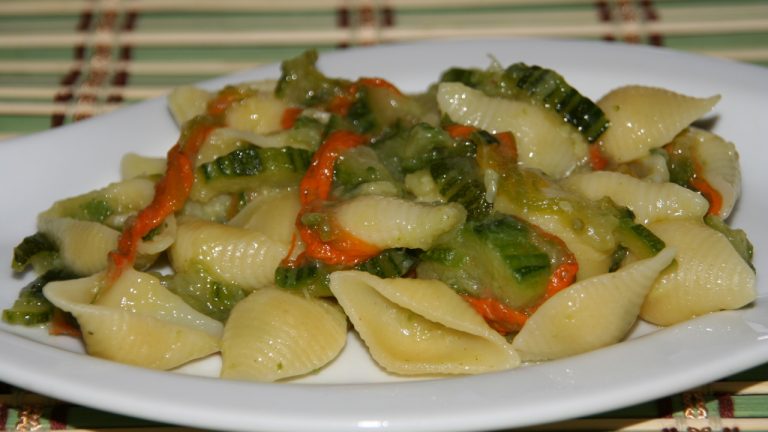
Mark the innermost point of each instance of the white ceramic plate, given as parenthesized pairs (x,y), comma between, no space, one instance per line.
(352,394)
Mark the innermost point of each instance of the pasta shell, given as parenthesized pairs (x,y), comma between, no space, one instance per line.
(233,255)
(720,165)
(186,102)
(388,222)
(649,201)
(590,314)
(709,275)
(544,141)
(122,197)
(273,334)
(273,214)
(83,246)
(136,321)
(643,118)
(133,165)
(261,114)
(417,326)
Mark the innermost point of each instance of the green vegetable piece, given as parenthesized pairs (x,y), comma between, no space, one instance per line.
(511,238)
(30,247)
(251,168)
(458,180)
(409,150)
(680,163)
(252,160)
(310,277)
(499,257)
(539,86)
(301,83)
(639,240)
(96,210)
(390,263)
(357,166)
(31,307)
(204,293)
(737,237)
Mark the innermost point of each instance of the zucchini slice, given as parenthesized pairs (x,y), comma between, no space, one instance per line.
(250,167)
(31,248)
(205,294)
(539,86)
(458,181)
(31,307)
(499,257)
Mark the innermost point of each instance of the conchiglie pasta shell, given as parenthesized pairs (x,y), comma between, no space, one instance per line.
(643,118)
(720,165)
(186,102)
(273,213)
(160,241)
(544,141)
(709,275)
(136,321)
(416,326)
(388,222)
(233,255)
(592,313)
(260,114)
(649,201)
(122,197)
(83,246)
(222,141)
(133,165)
(273,335)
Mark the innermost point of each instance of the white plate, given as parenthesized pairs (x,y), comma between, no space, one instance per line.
(353,394)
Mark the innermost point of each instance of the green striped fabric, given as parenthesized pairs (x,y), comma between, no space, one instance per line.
(64,60)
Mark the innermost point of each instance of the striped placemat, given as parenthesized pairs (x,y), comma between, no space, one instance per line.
(735,404)
(66,60)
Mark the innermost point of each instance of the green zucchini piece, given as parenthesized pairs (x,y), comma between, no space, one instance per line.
(737,237)
(539,86)
(251,160)
(357,166)
(636,238)
(313,277)
(301,83)
(458,180)
(411,149)
(390,263)
(499,257)
(550,89)
(310,277)
(31,307)
(204,293)
(32,246)
(249,168)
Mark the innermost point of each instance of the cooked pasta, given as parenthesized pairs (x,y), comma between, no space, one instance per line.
(273,335)
(709,275)
(644,118)
(420,326)
(498,217)
(137,322)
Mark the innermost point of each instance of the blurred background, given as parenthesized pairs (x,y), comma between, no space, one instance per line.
(64,60)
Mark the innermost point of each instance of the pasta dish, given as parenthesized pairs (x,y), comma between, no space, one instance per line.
(497,217)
